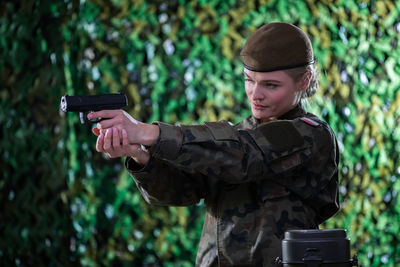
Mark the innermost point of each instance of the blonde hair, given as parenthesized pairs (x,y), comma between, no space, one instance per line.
(308,72)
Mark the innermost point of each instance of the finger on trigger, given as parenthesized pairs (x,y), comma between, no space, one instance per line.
(92,115)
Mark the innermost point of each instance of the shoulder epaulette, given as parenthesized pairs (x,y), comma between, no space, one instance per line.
(310,121)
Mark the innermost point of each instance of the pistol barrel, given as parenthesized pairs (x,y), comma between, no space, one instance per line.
(93,103)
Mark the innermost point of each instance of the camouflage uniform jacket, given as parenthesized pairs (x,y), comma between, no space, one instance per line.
(257,181)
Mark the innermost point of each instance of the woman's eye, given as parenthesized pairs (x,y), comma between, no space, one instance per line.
(248,80)
(271,85)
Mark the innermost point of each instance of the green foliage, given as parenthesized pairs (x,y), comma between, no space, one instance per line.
(34,221)
(62,203)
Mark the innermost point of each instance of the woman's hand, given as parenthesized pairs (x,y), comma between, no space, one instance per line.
(109,142)
(137,132)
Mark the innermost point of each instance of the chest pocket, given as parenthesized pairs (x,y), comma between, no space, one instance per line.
(284,163)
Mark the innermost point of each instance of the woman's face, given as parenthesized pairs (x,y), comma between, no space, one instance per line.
(271,94)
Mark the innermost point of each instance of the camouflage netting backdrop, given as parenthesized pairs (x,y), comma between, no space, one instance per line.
(62,203)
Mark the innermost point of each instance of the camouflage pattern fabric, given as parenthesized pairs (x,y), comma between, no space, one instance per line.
(257,181)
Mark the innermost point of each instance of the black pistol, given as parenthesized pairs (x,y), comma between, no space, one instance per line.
(86,104)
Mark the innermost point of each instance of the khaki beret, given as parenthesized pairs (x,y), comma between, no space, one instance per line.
(277,46)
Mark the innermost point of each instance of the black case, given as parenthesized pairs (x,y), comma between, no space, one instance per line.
(316,248)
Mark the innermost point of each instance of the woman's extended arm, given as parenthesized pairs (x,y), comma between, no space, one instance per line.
(274,150)
(159,182)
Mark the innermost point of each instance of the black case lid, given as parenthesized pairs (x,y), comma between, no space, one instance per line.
(326,246)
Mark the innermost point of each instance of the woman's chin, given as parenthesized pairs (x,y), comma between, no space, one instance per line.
(264,117)
(261,115)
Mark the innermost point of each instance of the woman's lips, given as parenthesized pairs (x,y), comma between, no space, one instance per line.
(259,107)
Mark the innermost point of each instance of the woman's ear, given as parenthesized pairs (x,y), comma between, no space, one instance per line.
(305,81)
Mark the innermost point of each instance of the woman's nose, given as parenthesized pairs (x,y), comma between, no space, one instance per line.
(257,93)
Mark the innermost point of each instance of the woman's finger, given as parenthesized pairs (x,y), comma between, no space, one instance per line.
(116,142)
(103,114)
(125,141)
(108,140)
(96,131)
(107,123)
(100,143)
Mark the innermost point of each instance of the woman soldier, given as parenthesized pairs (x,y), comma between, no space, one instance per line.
(274,171)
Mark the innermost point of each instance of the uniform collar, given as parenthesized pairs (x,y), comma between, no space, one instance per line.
(296,112)
(251,122)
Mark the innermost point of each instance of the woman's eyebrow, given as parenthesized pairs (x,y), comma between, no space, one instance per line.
(248,76)
(270,81)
